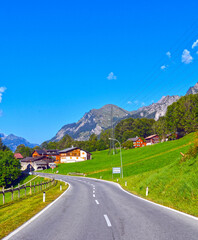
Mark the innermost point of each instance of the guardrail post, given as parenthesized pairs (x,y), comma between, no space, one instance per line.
(125,183)
(43,196)
(12,193)
(61,187)
(18,191)
(147,191)
(3,196)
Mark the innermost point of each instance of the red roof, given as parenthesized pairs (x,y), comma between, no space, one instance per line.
(18,156)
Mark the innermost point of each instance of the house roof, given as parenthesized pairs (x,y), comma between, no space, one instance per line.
(40,151)
(52,151)
(28,159)
(18,156)
(32,159)
(152,136)
(71,149)
(133,139)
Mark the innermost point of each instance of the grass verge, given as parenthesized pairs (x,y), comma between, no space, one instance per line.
(15,214)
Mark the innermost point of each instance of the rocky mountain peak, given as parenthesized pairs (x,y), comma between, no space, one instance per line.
(193,90)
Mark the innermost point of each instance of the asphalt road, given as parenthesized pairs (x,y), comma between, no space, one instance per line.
(98,210)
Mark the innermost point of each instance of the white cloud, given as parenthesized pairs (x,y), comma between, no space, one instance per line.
(111,76)
(143,104)
(2,90)
(136,101)
(195,44)
(129,102)
(168,54)
(163,67)
(186,57)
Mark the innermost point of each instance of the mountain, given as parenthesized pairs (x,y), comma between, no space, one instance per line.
(193,90)
(92,122)
(97,120)
(13,141)
(155,110)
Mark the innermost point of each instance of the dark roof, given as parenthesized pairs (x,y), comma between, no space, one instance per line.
(52,151)
(133,139)
(40,151)
(41,163)
(152,136)
(71,149)
(28,159)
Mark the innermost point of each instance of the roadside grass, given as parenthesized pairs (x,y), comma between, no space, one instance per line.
(171,182)
(8,195)
(14,214)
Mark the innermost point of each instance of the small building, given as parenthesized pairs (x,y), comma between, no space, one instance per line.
(137,142)
(153,139)
(54,154)
(18,156)
(74,154)
(30,164)
(39,153)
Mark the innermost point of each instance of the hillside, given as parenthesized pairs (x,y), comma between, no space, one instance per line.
(97,120)
(170,182)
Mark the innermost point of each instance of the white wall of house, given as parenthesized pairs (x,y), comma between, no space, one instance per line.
(71,159)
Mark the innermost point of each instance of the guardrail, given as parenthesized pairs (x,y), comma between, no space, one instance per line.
(32,189)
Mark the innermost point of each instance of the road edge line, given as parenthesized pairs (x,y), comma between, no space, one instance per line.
(36,216)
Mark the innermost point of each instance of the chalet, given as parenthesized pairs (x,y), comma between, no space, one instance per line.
(137,142)
(74,154)
(18,156)
(32,164)
(53,153)
(39,153)
(152,139)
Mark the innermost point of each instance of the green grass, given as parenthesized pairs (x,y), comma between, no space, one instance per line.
(171,182)
(16,213)
(25,179)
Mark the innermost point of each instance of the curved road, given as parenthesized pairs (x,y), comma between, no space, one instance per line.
(98,210)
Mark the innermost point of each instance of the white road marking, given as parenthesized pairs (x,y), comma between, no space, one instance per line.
(94,195)
(107,220)
(93,191)
(96,201)
(37,215)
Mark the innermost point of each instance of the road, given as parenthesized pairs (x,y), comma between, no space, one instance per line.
(99,210)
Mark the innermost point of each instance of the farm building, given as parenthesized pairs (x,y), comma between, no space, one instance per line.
(74,154)
(33,164)
(152,139)
(137,142)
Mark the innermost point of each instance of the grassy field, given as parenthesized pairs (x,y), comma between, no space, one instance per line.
(26,179)
(171,182)
(15,214)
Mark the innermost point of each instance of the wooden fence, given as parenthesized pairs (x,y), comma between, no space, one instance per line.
(32,189)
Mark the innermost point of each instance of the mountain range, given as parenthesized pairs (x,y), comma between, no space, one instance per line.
(13,141)
(97,120)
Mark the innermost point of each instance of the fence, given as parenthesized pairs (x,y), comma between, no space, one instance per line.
(9,194)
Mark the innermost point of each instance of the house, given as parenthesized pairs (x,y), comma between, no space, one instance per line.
(39,153)
(32,164)
(137,142)
(74,154)
(152,139)
(18,156)
(54,154)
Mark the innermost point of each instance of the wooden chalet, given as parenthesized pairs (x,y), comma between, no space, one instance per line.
(53,153)
(39,153)
(153,139)
(137,142)
(74,154)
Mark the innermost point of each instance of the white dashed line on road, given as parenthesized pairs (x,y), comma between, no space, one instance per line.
(94,195)
(96,201)
(107,220)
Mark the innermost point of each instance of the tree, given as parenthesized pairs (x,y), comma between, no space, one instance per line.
(9,168)
(24,151)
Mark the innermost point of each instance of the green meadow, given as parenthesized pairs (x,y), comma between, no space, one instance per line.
(171,182)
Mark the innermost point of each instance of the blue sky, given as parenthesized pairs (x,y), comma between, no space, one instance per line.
(59,59)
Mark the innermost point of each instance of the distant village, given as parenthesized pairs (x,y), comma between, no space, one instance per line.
(48,158)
